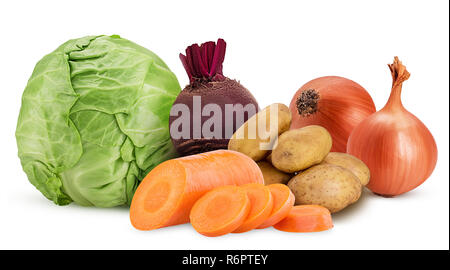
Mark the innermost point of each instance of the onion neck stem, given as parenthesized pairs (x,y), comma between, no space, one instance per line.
(399,75)
(395,98)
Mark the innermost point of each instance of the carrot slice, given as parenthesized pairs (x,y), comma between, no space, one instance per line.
(261,202)
(220,211)
(306,218)
(283,201)
(166,195)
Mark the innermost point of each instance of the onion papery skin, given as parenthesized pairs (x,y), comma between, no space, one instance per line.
(341,106)
(398,148)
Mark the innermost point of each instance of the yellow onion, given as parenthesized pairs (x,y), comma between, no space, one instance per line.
(396,146)
(335,103)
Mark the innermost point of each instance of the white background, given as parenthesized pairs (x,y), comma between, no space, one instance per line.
(273,48)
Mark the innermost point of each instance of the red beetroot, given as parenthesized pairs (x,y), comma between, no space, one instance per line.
(203,64)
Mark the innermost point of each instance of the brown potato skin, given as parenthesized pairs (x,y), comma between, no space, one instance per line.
(272,175)
(352,163)
(328,185)
(251,147)
(299,149)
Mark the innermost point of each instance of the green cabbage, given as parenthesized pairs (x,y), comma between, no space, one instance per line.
(94,120)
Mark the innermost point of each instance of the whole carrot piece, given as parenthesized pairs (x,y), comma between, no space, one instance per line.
(166,195)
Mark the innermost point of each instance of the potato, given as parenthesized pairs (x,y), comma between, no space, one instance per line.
(352,163)
(328,185)
(272,175)
(298,149)
(249,141)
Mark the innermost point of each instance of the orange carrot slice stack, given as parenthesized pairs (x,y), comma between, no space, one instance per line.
(306,218)
(283,201)
(220,211)
(261,206)
(166,195)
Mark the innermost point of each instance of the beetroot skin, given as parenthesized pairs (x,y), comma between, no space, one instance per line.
(203,64)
